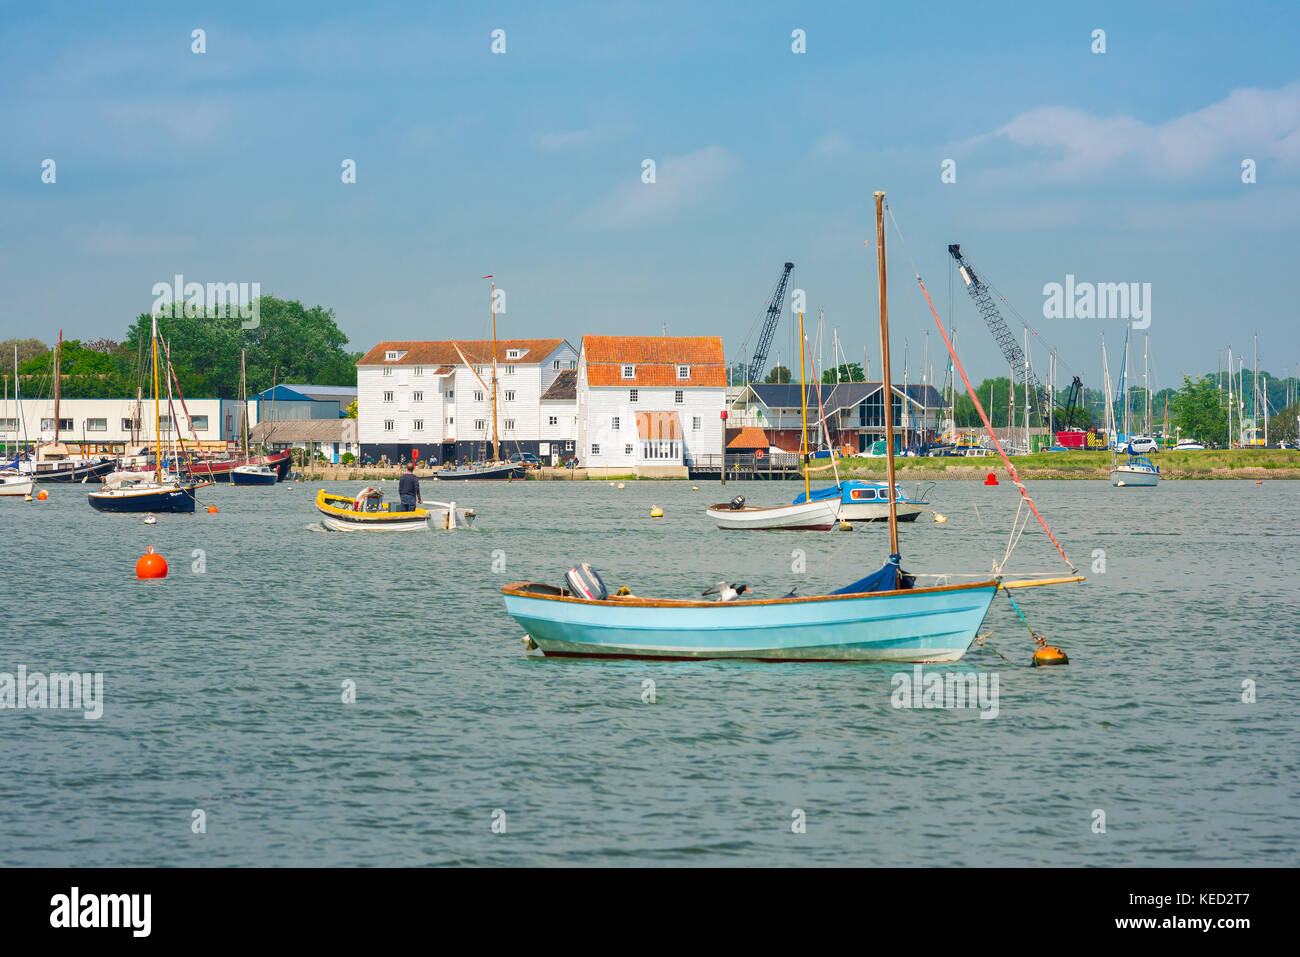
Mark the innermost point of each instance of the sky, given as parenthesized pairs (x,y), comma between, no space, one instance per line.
(1122,166)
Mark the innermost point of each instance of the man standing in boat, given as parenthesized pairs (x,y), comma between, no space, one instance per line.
(409,489)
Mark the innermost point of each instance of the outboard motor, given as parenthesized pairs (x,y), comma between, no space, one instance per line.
(738,503)
(585,583)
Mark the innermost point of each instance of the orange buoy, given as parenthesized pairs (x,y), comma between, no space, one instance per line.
(151,565)
(212,510)
(991,480)
(42,495)
(1050,655)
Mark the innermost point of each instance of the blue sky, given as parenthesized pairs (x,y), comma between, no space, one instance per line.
(1115,167)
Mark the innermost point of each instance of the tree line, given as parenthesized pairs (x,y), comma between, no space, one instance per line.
(291,343)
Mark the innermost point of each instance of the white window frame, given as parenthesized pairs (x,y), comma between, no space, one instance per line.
(631,395)
(629,370)
(388,425)
(683,372)
(388,397)
(679,396)
(417,425)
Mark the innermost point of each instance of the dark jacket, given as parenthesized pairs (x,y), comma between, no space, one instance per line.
(409,485)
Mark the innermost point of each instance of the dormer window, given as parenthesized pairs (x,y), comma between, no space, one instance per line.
(393,355)
(629,371)
(683,372)
(514,353)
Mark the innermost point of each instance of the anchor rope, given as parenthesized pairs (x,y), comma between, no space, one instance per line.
(1015,478)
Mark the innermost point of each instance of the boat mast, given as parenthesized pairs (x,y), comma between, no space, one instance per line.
(58,383)
(803,408)
(243,397)
(492,302)
(157,421)
(884,366)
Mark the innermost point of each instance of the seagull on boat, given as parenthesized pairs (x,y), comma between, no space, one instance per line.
(727,592)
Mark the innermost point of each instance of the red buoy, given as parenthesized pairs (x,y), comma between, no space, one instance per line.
(212,510)
(151,565)
(991,480)
(42,495)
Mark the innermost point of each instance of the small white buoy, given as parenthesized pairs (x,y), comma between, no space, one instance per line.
(940,518)
(621,485)
(656,512)
(150,520)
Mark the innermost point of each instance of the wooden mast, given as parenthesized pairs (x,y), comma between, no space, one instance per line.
(243,397)
(58,383)
(884,362)
(803,407)
(157,412)
(492,302)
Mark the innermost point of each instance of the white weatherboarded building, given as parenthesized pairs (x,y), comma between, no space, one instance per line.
(650,404)
(432,400)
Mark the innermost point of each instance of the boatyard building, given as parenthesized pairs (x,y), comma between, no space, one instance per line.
(431,401)
(650,405)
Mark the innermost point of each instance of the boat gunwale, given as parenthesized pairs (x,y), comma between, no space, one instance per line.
(356,516)
(516,590)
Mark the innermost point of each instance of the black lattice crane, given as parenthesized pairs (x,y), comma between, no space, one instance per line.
(759,362)
(1002,334)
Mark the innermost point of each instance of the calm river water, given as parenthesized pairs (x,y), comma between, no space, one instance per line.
(223,689)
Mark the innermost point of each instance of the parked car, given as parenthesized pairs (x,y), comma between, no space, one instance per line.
(528,458)
(1142,444)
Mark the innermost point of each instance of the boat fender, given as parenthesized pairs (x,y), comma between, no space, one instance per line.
(738,503)
(991,480)
(1050,655)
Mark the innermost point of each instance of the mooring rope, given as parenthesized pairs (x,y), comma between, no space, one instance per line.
(974,397)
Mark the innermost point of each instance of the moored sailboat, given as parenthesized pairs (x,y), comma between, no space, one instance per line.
(137,492)
(881,617)
(820,514)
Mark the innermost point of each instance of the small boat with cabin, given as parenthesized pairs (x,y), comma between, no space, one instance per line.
(368,512)
(868,501)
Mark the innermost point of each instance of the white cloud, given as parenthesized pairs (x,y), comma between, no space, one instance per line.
(831,146)
(680,182)
(566,140)
(117,242)
(1249,123)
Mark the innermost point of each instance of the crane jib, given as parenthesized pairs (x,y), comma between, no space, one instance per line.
(1002,333)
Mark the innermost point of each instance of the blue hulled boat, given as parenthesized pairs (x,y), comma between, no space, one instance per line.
(867,501)
(859,623)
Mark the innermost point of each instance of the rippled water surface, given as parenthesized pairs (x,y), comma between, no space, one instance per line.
(224,688)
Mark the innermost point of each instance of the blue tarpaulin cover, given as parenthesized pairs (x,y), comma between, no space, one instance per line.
(889,578)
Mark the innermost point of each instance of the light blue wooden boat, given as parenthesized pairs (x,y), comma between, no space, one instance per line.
(914,625)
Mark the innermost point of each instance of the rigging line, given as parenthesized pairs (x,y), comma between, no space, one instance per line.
(1015,478)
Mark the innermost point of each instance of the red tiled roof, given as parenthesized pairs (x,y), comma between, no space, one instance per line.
(749,438)
(442,352)
(656,359)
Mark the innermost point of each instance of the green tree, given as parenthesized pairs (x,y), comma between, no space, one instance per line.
(291,343)
(778,374)
(1198,412)
(1285,426)
(27,349)
(850,372)
(352,409)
